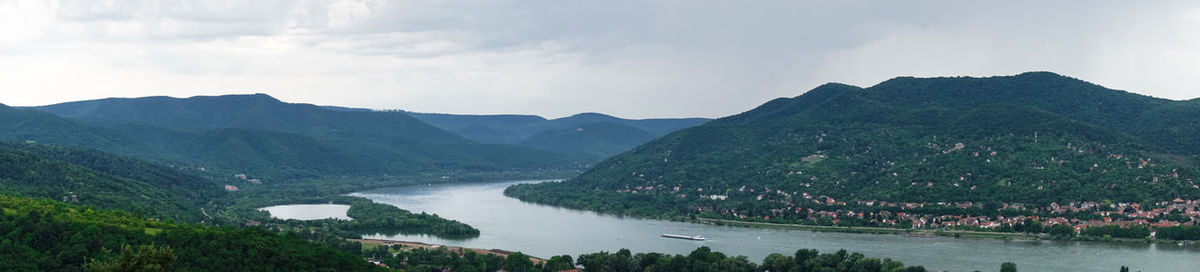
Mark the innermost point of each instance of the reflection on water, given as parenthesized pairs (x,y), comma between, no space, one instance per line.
(308,211)
(539,230)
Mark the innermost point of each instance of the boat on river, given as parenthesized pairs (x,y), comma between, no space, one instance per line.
(685,237)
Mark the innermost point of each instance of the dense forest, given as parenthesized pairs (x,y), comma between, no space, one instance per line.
(1034,138)
(46,235)
(103,180)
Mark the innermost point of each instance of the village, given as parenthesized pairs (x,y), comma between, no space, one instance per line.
(1008,217)
(803,208)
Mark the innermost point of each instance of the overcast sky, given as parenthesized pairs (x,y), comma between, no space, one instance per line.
(554,58)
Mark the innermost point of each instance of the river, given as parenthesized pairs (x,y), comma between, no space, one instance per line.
(544,231)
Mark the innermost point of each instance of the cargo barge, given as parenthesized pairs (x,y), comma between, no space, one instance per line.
(685,237)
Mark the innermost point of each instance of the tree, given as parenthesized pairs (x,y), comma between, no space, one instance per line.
(804,255)
(1124,268)
(559,263)
(147,258)
(777,263)
(1008,267)
(518,262)
(1062,230)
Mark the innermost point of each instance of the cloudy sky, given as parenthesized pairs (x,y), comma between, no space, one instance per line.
(554,58)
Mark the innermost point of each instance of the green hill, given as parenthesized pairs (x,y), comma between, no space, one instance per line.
(1030,138)
(45,235)
(264,137)
(41,127)
(103,180)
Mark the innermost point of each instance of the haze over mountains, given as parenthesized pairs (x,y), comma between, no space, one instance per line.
(261,136)
(587,136)
(1033,138)
(264,137)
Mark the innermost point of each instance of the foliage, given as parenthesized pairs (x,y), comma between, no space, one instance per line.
(147,258)
(420,259)
(701,259)
(103,180)
(1034,138)
(1113,231)
(43,235)
(704,259)
(1178,233)
(1008,267)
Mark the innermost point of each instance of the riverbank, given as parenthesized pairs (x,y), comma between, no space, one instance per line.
(924,232)
(504,223)
(407,245)
(875,230)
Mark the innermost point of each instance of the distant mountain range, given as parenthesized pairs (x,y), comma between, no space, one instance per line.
(589,137)
(1032,138)
(264,137)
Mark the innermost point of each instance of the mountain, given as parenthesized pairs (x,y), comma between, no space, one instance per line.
(264,137)
(41,127)
(1031,138)
(492,129)
(531,131)
(103,180)
(591,141)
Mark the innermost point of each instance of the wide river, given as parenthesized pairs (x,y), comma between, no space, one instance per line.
(544,231)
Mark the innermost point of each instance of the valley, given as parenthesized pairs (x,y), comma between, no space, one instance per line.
(1014,160)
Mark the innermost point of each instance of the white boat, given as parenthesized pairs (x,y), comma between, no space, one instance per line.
(685,237)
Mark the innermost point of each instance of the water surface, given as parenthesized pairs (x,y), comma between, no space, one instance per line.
(309,211)
(544,231)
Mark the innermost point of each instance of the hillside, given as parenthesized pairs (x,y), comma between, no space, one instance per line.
(103,180)
(608,135)
(41,127)
(46,235)
(264,137)
(1031,138)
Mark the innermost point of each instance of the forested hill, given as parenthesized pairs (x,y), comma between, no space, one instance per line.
(46,235)
(29,125)
(103,180)
(264,137)
(1032,138)
(590,137)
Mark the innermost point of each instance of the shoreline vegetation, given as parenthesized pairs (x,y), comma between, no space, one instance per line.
(957,233)
(874,230)
(417,256)
(1062,231)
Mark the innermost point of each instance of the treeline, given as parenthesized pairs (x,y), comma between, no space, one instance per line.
(1114,231)
(701,259)
(44,235)
(704,259)
(1178,233)
(469,261)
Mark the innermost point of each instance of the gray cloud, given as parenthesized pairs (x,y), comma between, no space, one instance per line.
(629,58)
